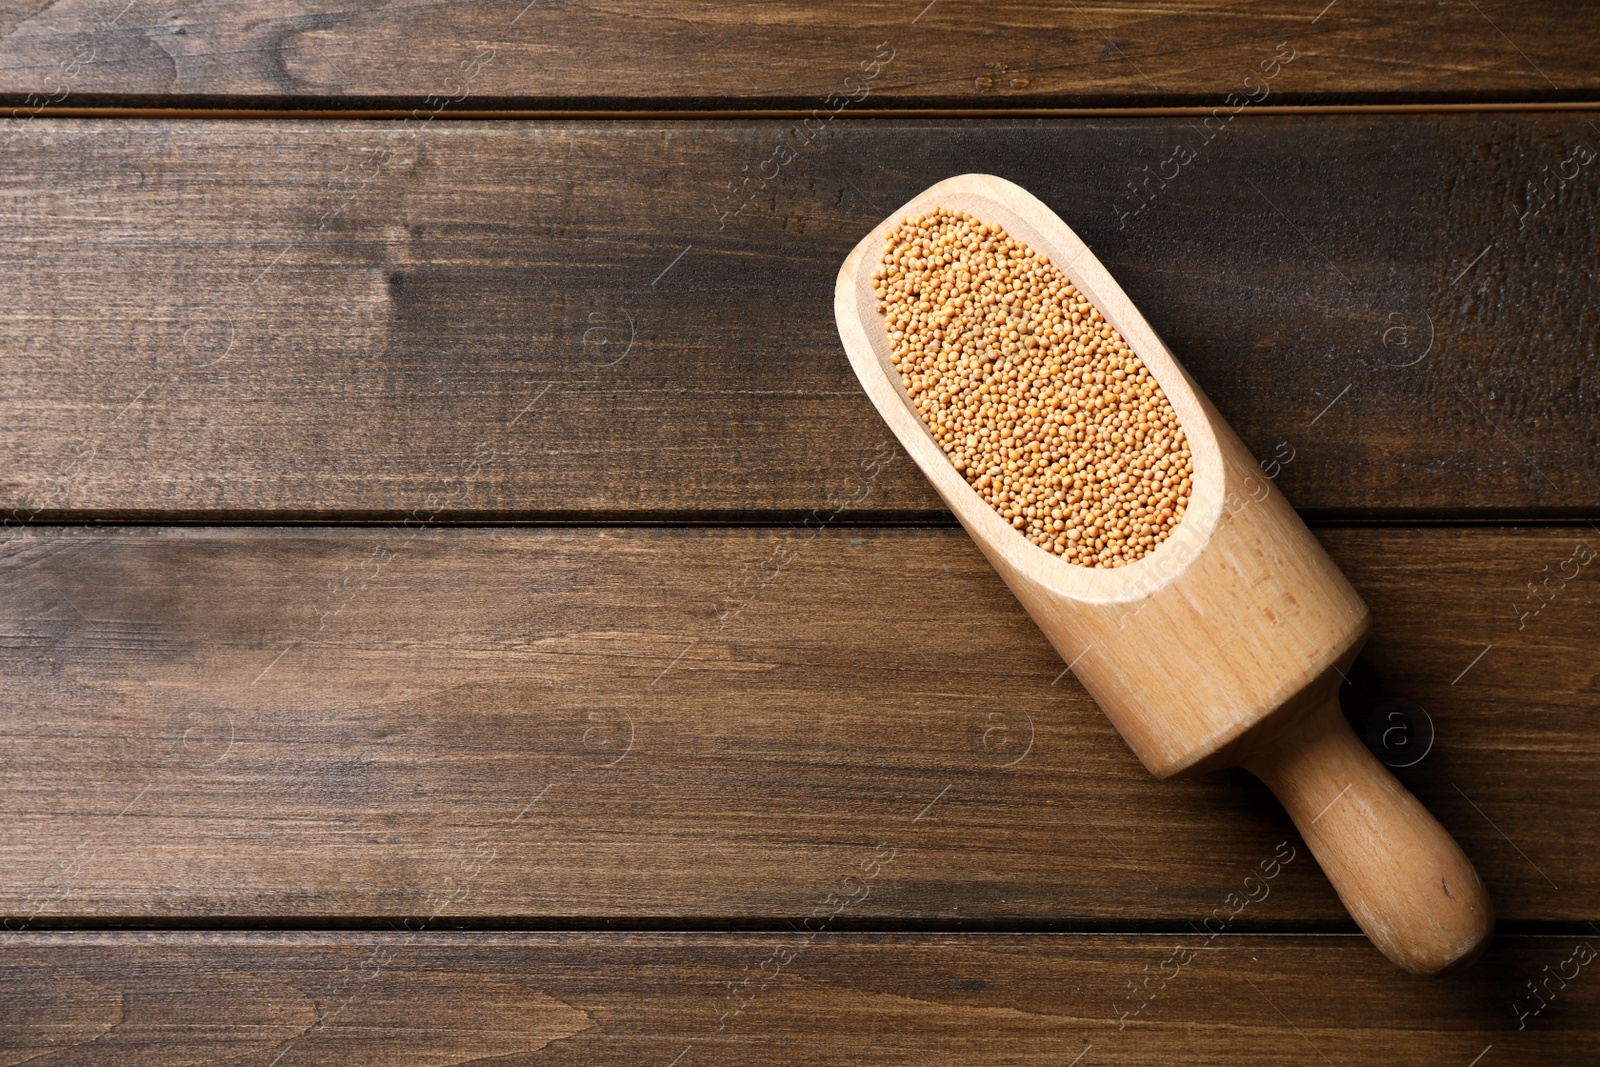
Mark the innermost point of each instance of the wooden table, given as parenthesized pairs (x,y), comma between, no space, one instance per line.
(441,518)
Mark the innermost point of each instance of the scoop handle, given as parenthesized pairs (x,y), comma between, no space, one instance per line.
(1403,878)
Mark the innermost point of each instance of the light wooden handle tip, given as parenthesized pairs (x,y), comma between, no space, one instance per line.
(1403,878)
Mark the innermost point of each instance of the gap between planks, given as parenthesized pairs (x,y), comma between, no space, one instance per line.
(691,114)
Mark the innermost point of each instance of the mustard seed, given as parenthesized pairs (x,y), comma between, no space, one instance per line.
(1037,400)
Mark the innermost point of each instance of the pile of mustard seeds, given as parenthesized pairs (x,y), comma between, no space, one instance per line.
(1036,399)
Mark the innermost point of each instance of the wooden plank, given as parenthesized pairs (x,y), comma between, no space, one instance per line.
(675,55)
(650,722)
(529,321)
(870,999)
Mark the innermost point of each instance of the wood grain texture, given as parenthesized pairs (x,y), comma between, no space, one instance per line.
(711,725)
(512,320)
(869,999)
(676,55)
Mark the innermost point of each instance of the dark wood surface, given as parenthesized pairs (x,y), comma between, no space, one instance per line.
(789,997)
(642,724)
(674,55)
(614,775)
(262,321)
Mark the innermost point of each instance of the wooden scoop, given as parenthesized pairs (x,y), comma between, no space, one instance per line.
(1225,646)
